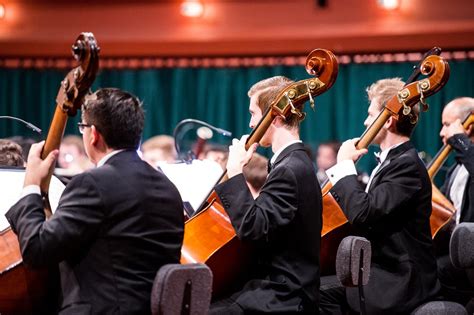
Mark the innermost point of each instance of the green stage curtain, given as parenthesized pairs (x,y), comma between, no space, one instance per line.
(219,97)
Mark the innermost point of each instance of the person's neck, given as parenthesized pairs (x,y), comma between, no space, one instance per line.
(392,139)
(100,154)
(283,136)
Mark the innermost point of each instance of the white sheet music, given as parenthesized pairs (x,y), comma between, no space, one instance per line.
(11,185)
(194,181)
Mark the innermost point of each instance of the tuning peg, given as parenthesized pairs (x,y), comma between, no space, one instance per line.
(78,50)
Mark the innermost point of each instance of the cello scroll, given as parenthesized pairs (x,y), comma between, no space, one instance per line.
(72,91)
(437,71)
(320,63)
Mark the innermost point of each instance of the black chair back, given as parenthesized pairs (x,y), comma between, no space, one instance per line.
(181,290)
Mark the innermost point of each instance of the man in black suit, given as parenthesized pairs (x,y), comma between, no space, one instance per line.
(115,225)
(283,222)
(392,213)
(457,284)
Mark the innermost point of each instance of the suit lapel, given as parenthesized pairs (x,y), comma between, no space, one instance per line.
(393,154)
(384,164)
(287,151)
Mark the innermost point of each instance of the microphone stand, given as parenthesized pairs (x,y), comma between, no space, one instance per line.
(184,125)
(27,124)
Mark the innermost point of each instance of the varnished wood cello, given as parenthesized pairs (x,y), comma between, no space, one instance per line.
(443,209)
(25,291)
(335,225)
(209,236)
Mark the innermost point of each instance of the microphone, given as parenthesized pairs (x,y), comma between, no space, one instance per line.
(28,124)
(192,122)
(184,125)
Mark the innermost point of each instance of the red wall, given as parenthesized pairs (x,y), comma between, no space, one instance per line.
(235,27)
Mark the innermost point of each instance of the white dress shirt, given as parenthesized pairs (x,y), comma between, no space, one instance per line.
(277,153)
(347,167)
(456,192)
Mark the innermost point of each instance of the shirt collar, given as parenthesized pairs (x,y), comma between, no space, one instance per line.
(383,155)
(277,153)
(107,157)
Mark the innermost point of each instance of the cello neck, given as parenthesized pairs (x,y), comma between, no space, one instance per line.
(370,133)
(365,140)
(438,161)
(52,142)
(73,89)
(257,133)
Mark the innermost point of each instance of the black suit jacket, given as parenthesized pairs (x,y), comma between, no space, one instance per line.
(284,222)
(464,155)
(394,216)
(114,227)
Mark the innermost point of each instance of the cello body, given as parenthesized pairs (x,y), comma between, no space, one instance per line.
(24,290)
(209,236)
(442,211)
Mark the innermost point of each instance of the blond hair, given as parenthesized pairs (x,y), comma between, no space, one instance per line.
(267,91)
(384,90)
(164,143)
(76,141)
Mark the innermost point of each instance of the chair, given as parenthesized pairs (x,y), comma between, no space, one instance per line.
(353,265)
(460,246)
(461,253)
(462,256)
(181,289)
(440,308)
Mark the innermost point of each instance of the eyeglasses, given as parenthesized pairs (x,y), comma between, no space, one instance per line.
(81,127)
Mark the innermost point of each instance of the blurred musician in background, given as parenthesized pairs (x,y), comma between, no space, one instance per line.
(158,150)
(255,173)
(10,153)
(72,156)
(326,157)
(283,222)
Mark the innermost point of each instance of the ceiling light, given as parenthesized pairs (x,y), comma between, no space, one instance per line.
(2,11)
(192,8)
(389,4)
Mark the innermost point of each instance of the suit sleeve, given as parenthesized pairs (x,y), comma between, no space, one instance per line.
(257,219)
(74,224)
(465,151)
(396,188)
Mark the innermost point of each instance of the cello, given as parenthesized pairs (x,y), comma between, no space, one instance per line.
(209,236)
(22,290)
(443,209)
(335,225)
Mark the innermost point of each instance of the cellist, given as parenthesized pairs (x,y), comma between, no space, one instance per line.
(459,188)
(392,213)
(283,222)
(115,225)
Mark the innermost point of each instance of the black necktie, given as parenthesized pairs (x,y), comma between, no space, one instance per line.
(377,157)
(269,166)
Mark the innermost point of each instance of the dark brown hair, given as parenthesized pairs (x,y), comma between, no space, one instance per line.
(117,115)
(10,153)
